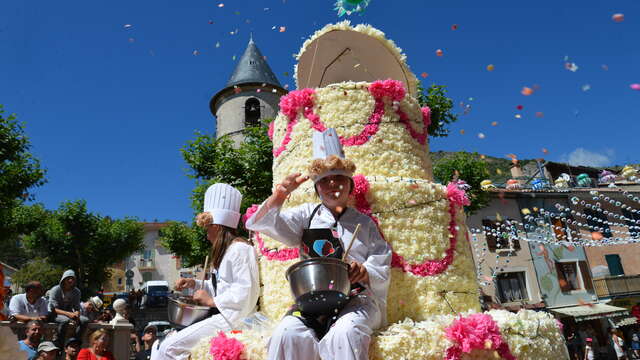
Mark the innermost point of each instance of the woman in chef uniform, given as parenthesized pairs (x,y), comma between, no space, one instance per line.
(326,229)
(234,285)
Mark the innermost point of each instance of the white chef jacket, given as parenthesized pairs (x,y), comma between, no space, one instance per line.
(236,297)
(370,249)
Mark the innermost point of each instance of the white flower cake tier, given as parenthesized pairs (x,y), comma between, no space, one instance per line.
(433,297)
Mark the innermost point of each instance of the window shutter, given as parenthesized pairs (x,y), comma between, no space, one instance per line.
(491,239)
(586,276)
(562,280)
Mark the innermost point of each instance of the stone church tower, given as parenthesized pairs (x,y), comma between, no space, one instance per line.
(251,95)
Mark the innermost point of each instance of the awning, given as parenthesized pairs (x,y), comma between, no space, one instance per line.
(623,321)
(591,311)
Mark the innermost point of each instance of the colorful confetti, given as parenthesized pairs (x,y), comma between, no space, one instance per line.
(127,26)
(196,53)
(526,91)
(424,75)
(539,114)
(481,136)
(221,5)
(454,27)
(490,67)
(545,151)
(518,116)
(519,107)
(494,123)
(283,28)
(586,87)
(439,52)
(635,87)
(461,131)
(618,18)
(571,66)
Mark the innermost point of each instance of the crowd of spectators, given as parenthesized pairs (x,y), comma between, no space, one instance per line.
(62,305)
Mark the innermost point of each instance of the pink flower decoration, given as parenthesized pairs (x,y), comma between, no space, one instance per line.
(456,195)
(284,254)
(428,267)
(270,131)
(477,331)
(224,348)
(391,89)
(249,213)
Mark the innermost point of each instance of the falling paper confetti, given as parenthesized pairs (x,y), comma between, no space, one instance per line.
(545,151)
(454,27)
(490,67)
(586,87)
(424,75)
(196,53)
(519,107)
(283,28)
(618,18)
(348,7)
(127,26)
(439,52)
(461,131)
(481,136)
(571,66)
(494,123)
(218,44)
(526,91)
(518,116)
(221,5)
(132,40)
(605,67)
(635,87)
(539,114)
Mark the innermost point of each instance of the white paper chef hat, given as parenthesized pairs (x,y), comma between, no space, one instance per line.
(328,156)
(222,201)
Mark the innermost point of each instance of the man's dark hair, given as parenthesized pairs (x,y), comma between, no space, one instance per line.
(32,285)
(34,322)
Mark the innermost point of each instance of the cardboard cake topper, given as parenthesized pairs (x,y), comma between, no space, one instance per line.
(341,52)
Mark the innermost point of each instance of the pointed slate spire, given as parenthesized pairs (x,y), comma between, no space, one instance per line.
(252,68)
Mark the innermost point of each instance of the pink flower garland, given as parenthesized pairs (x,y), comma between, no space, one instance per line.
(224,348)
(381,90)
(270,131)
(284,254)
(476,332)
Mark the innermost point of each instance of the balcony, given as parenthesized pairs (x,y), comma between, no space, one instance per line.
(617,285)
(146,264)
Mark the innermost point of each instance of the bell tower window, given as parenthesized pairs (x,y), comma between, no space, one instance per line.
(252,112)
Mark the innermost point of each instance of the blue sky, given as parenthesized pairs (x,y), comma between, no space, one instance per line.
(107,108)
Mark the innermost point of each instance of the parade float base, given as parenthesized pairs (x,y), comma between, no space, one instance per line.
(496,334)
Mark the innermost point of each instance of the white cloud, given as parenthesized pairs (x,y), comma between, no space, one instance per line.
(584,157)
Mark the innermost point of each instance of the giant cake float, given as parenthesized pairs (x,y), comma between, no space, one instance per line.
(355,80)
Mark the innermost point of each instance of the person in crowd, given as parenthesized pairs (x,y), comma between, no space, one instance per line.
(105,316)
(149,336)
(91,308)
(635,343)
(47,351)
(30,305)
(64,301)
(574,345)
(589,353)
(98,345)
(618,344)
(326,230)
(30,344)
(139,294)
(71,349)
(232,291)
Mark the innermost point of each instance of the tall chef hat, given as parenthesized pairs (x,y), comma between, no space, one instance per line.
(328,156)
(221,206)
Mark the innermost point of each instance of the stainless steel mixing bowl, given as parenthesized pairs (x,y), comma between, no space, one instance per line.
(319,285)
(184,314)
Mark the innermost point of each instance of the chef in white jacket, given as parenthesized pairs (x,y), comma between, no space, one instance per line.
(326,230)
(234,285)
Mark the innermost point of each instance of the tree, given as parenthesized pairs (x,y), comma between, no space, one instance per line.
(20,172)
(467,167)
(88,243)
(40,269)
(246,167)
(441,109)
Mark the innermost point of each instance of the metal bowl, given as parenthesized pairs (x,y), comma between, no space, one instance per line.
(319,285)
(183,314)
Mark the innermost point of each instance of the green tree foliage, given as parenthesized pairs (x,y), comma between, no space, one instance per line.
(74,238)
(467,167)
(40,269)
(20,172)
(247,167)
(441,109)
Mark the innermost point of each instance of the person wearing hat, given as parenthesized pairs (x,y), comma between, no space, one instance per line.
(234,286)
(91,308)
(71,349)
(149,336)
(588,349)
(326,230)
(64,302)
(47,351)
